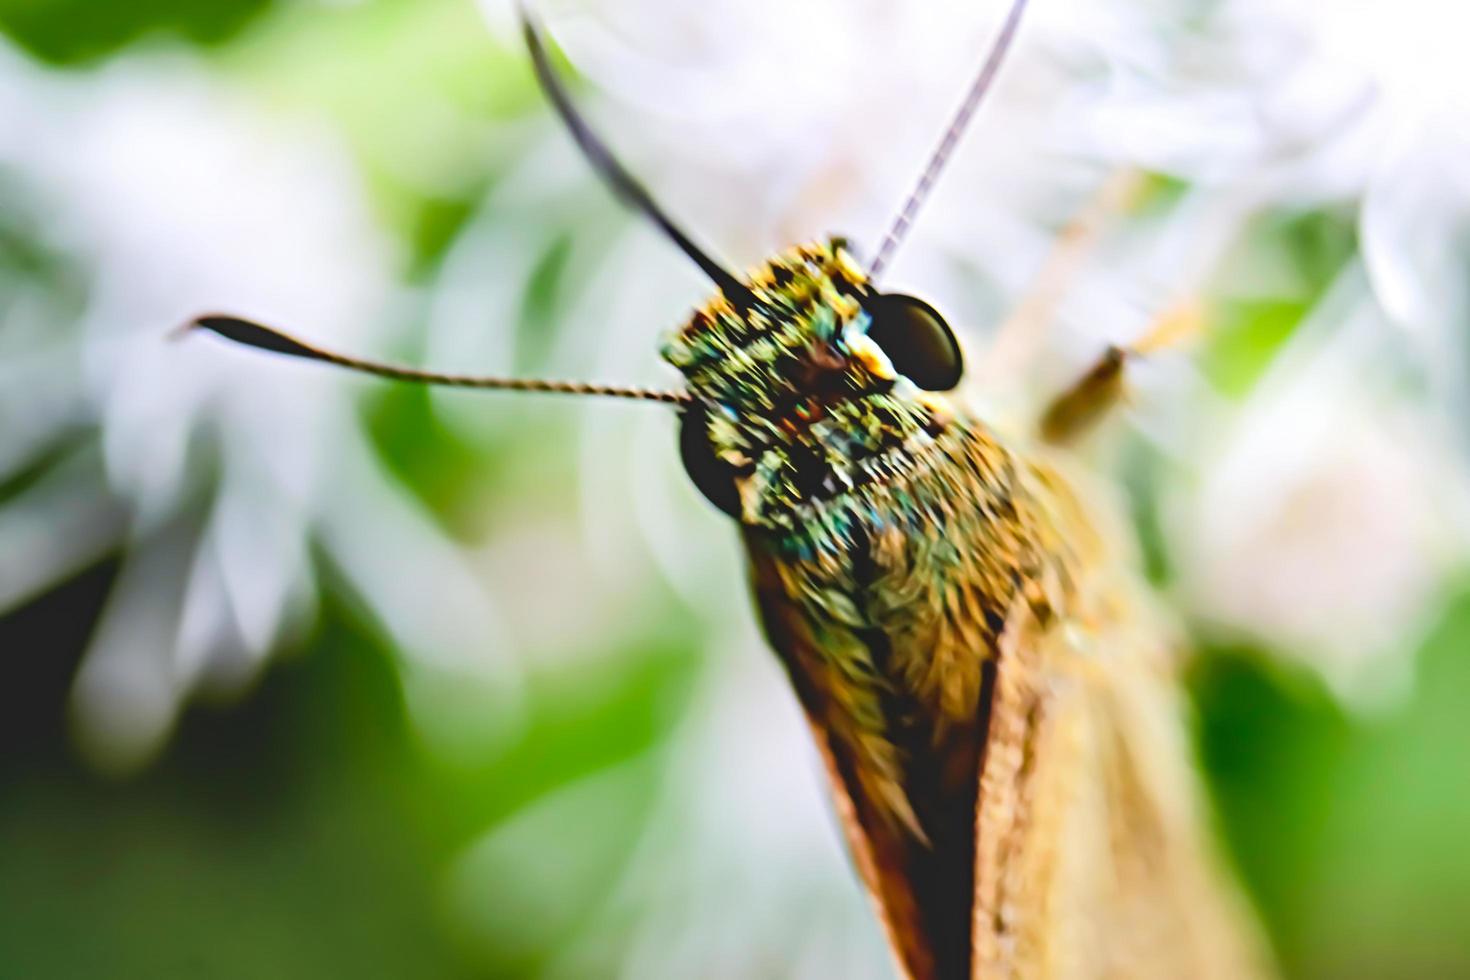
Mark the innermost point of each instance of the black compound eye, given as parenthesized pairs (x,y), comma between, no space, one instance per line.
(712,476)
(916,339)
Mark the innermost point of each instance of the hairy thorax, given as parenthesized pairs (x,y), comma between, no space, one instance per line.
(890,602)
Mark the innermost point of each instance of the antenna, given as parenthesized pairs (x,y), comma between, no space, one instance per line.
(624,185)
(253,334)
(950,140)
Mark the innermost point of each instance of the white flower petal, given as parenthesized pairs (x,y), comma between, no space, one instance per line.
(125,697)
(260,547)
(56,527)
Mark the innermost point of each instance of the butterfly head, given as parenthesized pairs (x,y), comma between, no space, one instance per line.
(799,394)
(802,381)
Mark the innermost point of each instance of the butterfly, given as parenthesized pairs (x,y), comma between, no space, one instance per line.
(988,684)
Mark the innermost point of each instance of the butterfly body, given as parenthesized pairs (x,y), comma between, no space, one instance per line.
(887,606)
(990,690)
(991,697)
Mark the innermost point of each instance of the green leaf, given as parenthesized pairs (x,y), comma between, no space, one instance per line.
(78,32)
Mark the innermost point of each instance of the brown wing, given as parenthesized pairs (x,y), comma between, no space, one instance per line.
(1094,858)
(1058,832)
(1085,853)
(997,712)
(904,790)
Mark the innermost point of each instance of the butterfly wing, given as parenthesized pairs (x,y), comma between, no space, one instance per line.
(921,892)
(1093,857)
(1004,745)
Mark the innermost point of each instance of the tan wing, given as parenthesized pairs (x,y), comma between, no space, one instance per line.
(1094,858)
(1047,825)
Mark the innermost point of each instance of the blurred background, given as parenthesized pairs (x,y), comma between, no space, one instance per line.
(309,675)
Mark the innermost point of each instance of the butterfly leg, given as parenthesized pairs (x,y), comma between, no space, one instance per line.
(1079,408)
(1088,400)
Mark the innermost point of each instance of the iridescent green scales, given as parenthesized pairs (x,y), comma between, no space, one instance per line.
(894,534)
(799,397)
(894,544)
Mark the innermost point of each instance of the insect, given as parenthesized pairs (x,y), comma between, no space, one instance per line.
(986,683)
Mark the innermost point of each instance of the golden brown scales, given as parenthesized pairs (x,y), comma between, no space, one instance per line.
(997,714)
(994,704)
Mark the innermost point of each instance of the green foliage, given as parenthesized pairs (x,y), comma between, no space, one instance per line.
(302,832)
(1299,255)
(1349,832)
(75,32)
(1247,336)
(308,831)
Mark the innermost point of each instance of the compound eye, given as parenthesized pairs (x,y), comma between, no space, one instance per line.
(712,476)
(916,339)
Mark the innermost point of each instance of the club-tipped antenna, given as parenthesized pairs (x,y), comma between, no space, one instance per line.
(623,184)
(950,140)
(253,334)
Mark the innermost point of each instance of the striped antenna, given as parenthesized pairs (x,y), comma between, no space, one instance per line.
(947,144)
(253,334)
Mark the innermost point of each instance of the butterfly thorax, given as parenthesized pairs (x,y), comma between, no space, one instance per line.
(903,588)
(899,532)
(895,544)
(801,404)
(890,605)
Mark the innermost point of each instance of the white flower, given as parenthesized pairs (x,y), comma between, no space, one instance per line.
(1332,507)
(761,123)
(219,469)
(1329,512)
